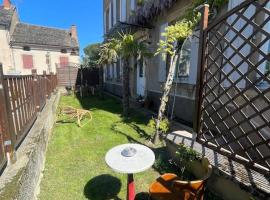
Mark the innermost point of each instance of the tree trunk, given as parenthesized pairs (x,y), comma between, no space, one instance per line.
(125,86)
(165,96)
(101,86)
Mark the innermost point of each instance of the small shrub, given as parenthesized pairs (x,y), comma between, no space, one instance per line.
(164,125)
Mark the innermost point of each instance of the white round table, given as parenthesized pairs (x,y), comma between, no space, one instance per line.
(130,159)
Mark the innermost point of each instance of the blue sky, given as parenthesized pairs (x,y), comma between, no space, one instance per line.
(86,14)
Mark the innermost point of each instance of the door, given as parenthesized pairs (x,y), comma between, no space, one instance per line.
(140,78)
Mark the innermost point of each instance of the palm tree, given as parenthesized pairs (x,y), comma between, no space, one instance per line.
(125,47)
(129,48)
(107,53)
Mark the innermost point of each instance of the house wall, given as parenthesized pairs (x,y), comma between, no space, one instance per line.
(182,96)
(183,92)
(11,56)
(5,55)
(39,60)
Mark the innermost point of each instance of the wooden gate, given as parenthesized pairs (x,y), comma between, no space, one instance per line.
(233,105)
(67,75)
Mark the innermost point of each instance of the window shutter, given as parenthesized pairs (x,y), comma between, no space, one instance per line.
(64,61)
(110,16)
(27,61)
(123,10)
(114,12)
(162,57)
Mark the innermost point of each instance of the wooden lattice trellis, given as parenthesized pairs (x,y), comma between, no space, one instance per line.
(234,91)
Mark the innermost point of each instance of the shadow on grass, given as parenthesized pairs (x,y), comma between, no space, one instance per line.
(142,196)
(135,127)
(103,187)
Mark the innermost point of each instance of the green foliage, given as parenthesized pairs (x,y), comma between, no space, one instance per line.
(140,2)
(174,34)
(164,125)
(125,46)
(186,154)
(214,4)
(91,55)
(71,165)
(108,51)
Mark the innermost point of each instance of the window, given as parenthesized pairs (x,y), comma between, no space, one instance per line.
(184,59)
(74,52)
(48,61)
(107,20)
(132,5)
(114,71)
(141,72)
(63,61)
(118,70)
(118,8)
(107,72)
(162,57)
(26,48)
(63,51)
(27,61)
(112,14)
(123,10)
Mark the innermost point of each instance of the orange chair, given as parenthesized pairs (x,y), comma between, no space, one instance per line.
(170,187)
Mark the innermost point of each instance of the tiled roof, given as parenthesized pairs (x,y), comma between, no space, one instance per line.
(6,16)
(39,35)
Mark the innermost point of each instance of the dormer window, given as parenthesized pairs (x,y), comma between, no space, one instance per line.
(73,52)
(26,48)
(63,51)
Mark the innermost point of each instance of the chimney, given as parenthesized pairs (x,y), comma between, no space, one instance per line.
(73,31)
(7,4)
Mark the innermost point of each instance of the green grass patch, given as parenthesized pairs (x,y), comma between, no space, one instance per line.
(75,166)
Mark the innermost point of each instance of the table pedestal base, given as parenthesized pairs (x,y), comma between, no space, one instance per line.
(130,187)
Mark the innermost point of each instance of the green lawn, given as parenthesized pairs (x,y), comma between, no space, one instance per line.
(75,166)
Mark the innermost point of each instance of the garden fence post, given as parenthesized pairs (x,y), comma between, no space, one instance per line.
(6,121)
(51,83)
(204,9)
(46,85)
(35,89)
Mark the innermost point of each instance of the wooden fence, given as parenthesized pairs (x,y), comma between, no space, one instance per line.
(21,98)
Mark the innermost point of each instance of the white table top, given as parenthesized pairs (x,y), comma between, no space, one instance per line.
(143,159)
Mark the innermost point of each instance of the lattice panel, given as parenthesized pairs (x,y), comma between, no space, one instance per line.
(235,100)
